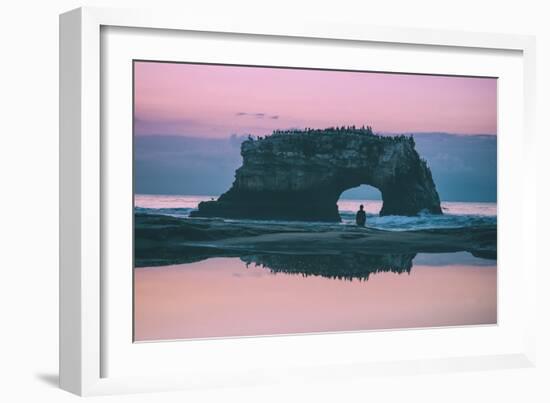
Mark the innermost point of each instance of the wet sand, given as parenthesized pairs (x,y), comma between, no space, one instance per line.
(162,240)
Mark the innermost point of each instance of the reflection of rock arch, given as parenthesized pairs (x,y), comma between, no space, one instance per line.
(341,266)
(300,176)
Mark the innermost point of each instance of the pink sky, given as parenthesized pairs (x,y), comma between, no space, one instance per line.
(217,101)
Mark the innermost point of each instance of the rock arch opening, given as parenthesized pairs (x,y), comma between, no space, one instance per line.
(350,200)
(361,192)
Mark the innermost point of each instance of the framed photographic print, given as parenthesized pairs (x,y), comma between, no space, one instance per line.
(302,234)
(259,202)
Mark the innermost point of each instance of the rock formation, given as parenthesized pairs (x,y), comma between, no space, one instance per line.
(299,175)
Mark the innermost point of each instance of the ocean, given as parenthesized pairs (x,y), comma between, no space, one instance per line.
(456,214)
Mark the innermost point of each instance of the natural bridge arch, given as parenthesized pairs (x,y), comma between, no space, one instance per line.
(300,175)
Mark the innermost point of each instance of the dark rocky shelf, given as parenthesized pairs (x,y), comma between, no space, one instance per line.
(161,240)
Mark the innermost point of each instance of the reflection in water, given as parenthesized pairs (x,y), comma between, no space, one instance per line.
(342,267)
(262,295)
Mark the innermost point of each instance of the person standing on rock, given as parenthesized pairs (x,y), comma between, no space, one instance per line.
(361,217)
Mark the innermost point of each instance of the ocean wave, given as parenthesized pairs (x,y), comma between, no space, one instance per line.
(423,221)
(391,223)
(180,212)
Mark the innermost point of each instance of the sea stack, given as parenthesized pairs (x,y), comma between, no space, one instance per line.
(300,174)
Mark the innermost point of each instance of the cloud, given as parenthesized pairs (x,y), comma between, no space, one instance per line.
(145,126)
(257,115)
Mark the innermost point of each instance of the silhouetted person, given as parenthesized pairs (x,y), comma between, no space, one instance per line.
(361,217)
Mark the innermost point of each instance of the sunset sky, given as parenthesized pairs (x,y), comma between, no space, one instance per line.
(217,101)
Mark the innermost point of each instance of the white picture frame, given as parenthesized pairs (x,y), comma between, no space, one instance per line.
(84,177)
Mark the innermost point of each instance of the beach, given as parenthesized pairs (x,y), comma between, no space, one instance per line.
(166,240)
(165,234)
(215,277)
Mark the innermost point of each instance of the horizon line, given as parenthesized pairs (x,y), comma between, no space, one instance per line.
(237,135)
(362,199)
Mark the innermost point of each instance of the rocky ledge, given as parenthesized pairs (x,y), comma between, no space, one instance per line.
(299,175)
(163,240)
